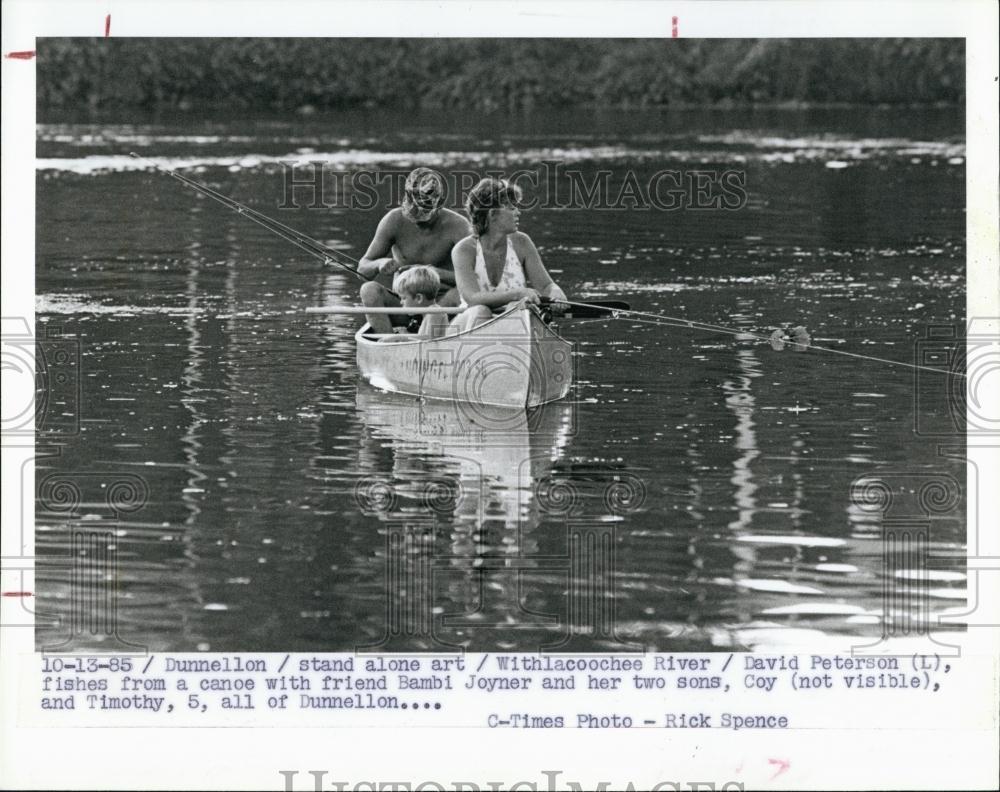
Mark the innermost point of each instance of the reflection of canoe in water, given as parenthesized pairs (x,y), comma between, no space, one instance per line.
(513,360)
(502,443)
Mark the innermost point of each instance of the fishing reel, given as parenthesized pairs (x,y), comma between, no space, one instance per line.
(545,310)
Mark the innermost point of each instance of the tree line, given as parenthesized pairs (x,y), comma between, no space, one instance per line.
(492,74)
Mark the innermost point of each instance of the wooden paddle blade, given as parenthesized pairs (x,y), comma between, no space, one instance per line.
(798,338)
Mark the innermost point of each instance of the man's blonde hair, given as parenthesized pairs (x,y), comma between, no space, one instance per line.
(416,281)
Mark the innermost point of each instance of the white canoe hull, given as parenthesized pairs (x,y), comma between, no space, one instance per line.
(513,360)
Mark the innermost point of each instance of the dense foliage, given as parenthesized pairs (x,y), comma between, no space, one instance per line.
(293,74)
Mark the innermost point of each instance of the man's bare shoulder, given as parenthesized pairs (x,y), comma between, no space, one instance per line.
(393,218)
(455,222)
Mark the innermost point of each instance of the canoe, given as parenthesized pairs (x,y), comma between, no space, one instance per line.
(513,360)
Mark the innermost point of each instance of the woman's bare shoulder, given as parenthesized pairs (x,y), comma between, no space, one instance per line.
(465,245)
(522,243)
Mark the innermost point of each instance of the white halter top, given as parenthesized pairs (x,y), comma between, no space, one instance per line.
(512,276)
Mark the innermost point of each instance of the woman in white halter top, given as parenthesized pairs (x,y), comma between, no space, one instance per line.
(497,264)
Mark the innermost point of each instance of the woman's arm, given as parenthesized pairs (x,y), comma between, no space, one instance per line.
(463,256)
(434,326)
(538,276)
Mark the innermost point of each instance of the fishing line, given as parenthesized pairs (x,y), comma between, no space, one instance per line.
(328,255)
(303,241)
(235,205)
(673,321)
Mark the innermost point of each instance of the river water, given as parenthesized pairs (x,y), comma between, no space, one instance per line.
(217,478)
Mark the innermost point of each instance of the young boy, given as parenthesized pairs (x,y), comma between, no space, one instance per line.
(422,231)
(418,287)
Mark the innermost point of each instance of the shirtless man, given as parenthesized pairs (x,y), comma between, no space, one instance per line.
(421,232)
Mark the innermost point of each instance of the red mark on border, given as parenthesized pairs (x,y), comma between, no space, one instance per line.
(17,594)
(23,55)
(107,26)
(783,765)
(674,33)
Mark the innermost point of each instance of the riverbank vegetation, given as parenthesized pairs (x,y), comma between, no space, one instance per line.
(308,75)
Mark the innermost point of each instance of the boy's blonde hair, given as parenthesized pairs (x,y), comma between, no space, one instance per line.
(416,281)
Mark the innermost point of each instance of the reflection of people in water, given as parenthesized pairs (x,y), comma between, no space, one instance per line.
(477,474)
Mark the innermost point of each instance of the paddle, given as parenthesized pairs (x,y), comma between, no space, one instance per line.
(588,310)
(391,311)
(574,311)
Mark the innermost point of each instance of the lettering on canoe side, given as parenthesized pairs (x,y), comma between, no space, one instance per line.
(427,369)
(440,370)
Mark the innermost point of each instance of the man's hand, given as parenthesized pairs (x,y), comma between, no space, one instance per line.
(389,267)
(370,269)
(446,275)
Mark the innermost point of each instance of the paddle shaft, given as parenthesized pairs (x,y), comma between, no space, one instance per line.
(396,311)
(580,310)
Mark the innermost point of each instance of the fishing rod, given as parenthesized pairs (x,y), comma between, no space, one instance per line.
(289,234)
(798,339)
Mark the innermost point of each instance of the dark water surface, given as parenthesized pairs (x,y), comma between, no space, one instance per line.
(700,483)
